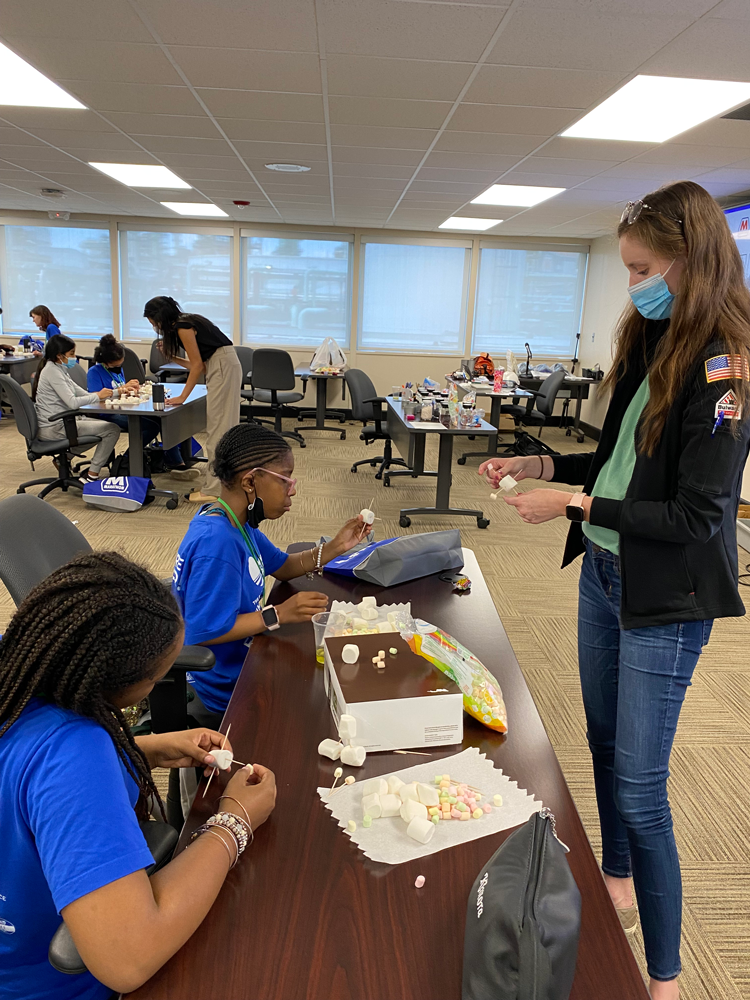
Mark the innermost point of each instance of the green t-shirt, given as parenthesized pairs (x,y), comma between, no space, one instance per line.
(615,475)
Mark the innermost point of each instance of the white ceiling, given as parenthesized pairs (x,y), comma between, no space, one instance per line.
(404,109)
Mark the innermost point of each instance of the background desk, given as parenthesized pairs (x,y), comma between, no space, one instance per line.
(411,441)
(304,915)
(178,423)
(577,389)
(496,401)
(321,396)
(20,369)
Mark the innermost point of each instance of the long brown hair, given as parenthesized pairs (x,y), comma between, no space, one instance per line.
(46,315)
(683,220)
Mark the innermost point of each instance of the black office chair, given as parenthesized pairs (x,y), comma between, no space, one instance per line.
(27,425)
(79,376)
(156,361)
(273,382)
(368,406)
(524,416)
(133,367)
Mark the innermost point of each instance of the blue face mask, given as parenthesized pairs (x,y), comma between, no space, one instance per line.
(69,363)
(652,297)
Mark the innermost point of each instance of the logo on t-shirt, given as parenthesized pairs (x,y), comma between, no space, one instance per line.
(254,570)
(6,927)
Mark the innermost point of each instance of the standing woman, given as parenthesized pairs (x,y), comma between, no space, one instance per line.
(208,350)
(656,524)
(45,321)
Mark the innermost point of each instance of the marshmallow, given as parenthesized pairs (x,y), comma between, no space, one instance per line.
(507,483)
(391,616)
(353,756)
(330,748)
(371,806)
(223,759)
(368,602)
(367,515)
(498,800)
(409,792)
(385,627)
(421,830)
(359,623)
(411,809)
(428,795)
(394,783)
(375,786)
(390,805)
(347,727)
(493,496)
(350,653)
(351,826)
(367,820)
(369,614)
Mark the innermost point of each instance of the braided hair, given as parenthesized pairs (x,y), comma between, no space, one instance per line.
(244,447)
(91,629)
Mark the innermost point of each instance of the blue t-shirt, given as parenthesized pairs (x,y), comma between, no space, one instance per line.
(98,377)
(67,827)
(51,330)
(215,579)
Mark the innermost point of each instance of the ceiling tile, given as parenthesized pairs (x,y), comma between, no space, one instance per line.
(560,166)
(481,142)
(693,156)
(73,140)
(363,76)
(732,9)
(486,162)
(199,126)
(362,185)
(285,24)
(408,31)
(253,104)
(163,145)
(370,171)
(713,49)
(247,69)
(89,19)
(370,154)
(540,87)
(363,135)
(594,149)
(134,97)
(62,118)
(481,177)
(105,61)
(518,120)
(387,112)
(270,131)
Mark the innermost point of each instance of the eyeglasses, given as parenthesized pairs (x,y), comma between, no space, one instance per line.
(633,211)
(292,482)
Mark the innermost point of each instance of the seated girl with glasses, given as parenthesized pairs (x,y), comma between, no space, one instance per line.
(220,572)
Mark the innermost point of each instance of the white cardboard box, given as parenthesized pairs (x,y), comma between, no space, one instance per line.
(408,704)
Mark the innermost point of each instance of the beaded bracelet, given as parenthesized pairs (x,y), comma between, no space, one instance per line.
(247,818)
(233,823)
(319,568)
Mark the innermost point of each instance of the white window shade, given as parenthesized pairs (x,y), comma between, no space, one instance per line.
(413,298)
(295,292)
(64,268)
(532,296)
(193,268)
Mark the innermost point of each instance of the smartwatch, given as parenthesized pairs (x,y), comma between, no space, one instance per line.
(574,510)
(270,617)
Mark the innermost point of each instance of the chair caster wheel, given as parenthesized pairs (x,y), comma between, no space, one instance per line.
(461,460)
(386,481)
(20,490)
(353,468)
(303,444)
(171,504)
(482,522)
(472,437)
(342,436)
(404,521)
(342,420)
(373,464)
(581,439)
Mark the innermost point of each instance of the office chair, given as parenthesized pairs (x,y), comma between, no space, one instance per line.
(79,376)
(27,425)
(156,361)
(245,354)
(273,382)
(368,406)
(544,403)
(133,367)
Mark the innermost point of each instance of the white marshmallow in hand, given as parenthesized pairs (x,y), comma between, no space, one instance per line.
(223,759)
(367,515)
(507,483)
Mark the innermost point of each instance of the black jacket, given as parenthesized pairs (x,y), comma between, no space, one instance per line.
(677,523)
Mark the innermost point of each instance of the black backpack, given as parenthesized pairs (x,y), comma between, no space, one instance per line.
(523,920)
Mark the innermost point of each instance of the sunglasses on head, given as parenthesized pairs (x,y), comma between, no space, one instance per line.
(633,209)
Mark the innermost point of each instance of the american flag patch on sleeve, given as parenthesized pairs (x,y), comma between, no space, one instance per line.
(727,366)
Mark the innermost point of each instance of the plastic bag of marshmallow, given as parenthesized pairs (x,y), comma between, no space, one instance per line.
(483,699)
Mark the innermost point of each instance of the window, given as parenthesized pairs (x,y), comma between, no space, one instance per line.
(532,296)
(295,291)
(413,297)
(194,268)
(66,269)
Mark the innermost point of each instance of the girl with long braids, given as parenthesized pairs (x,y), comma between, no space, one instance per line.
(656,523)
(91,639)
(208,351)
(223,560)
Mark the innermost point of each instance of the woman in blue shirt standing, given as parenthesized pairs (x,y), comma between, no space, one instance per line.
(45,321)
(221,567)
(91,639)
(107,373)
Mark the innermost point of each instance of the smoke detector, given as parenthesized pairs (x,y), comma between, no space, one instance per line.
(52,193)
(59,215)
(241,204)
(288,168)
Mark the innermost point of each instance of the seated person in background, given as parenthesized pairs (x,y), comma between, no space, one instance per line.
(45,321)
(106,373)
(54,391)
(91,639)
(223,560)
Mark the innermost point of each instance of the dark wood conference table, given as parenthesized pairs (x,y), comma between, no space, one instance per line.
(304,915)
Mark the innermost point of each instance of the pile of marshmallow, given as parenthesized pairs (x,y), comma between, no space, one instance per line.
(366,612)
(342,749)
(422,807)
(130,398)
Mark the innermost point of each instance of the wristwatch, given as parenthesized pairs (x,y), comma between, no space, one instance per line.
(270,617)
(574,510)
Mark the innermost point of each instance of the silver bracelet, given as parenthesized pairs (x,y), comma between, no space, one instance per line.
(218,836)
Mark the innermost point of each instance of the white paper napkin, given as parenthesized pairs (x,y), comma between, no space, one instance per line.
(386,839)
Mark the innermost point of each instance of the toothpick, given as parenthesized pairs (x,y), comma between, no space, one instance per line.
(336,775)
(417,752)
(211,776)
(349,780)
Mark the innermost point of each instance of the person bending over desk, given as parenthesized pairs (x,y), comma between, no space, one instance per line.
(54,391)
(107,373)
(91,639)
(223,560)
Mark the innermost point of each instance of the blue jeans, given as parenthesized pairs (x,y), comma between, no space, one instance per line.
(633,683)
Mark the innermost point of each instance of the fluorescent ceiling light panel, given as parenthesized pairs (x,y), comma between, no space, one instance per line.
(24,86)
(141,175)
(515,194)
(459,222)
(195,208)
(656,108)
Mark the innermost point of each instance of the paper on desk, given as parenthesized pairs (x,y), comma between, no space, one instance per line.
(386,840)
